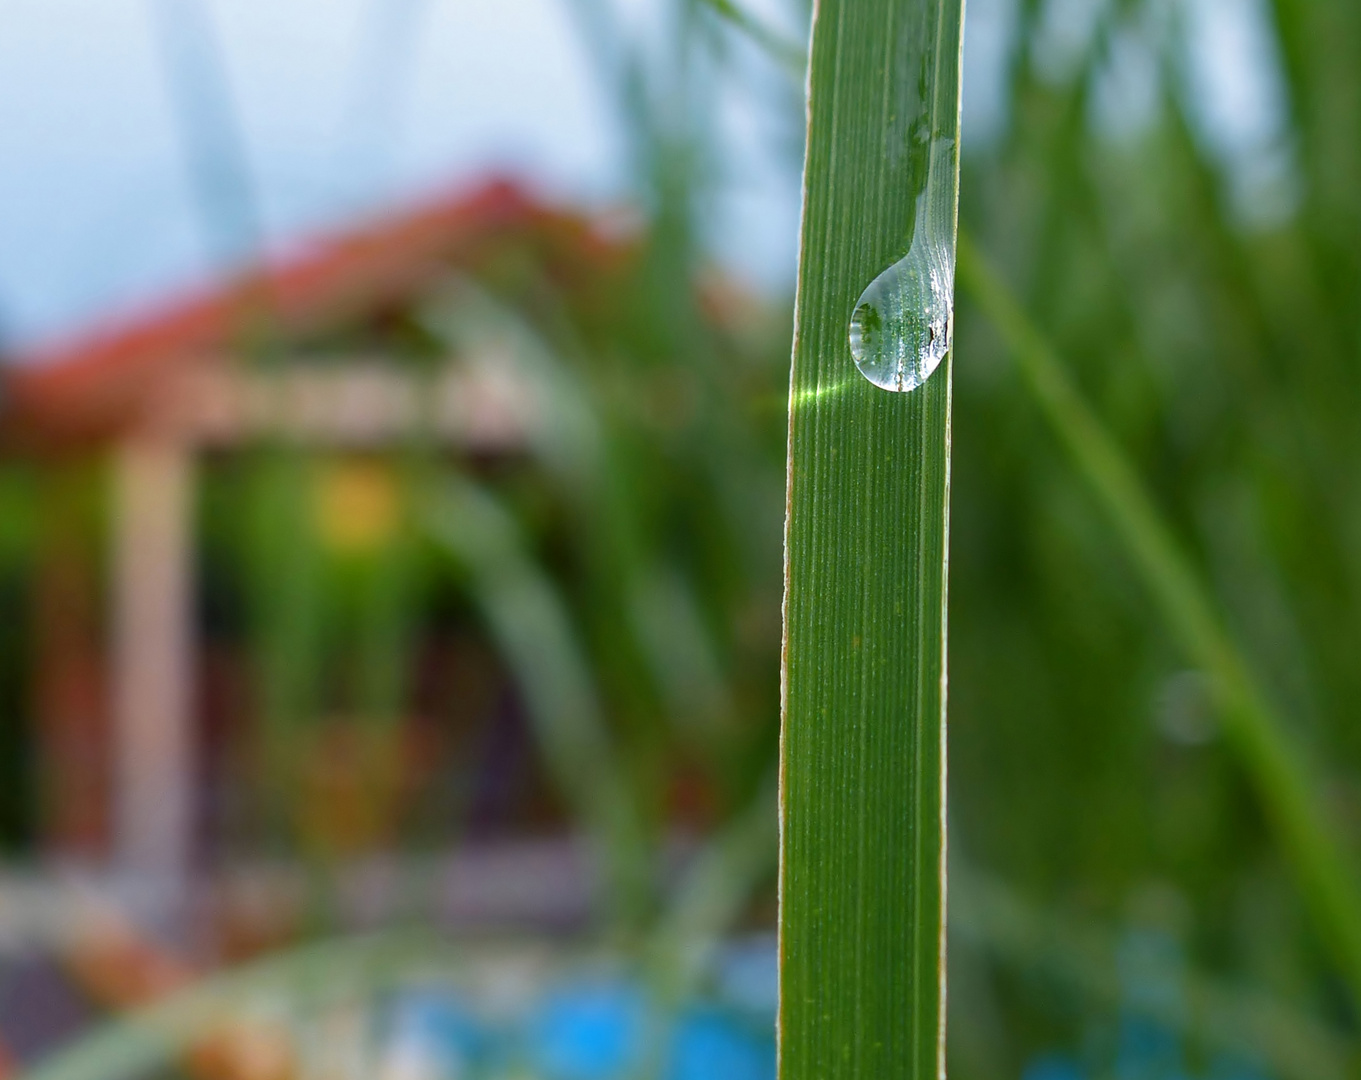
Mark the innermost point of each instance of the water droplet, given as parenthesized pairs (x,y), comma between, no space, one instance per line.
(903,323)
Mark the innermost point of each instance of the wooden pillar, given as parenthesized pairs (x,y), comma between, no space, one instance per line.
(71,737)
(152,651)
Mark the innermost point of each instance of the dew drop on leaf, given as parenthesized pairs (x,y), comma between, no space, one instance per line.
(903,322)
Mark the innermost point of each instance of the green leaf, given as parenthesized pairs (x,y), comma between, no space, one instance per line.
(309,977)
(788,53)
(990,919)
(1285,780)
(533,629)
(863,752)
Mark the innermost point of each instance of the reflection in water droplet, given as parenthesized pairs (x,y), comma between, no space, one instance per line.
(902,325)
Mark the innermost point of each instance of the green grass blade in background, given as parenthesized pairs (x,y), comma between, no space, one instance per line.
(572,442)
(717,887)
(307,978)
(990,919)
(1279,771)
(533,629)
(285,590)
(863,749)
(790,54)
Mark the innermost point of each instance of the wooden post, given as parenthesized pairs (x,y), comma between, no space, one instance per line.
(71,738)
(153,653)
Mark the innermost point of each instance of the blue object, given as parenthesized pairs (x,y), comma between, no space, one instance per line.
(597,1031)
(747,974)
(590,1031)
(433,1035)
(710,1044)
(1149,1050)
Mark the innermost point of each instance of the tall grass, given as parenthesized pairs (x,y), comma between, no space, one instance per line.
(1284,781)
(862,899)
(1207,330)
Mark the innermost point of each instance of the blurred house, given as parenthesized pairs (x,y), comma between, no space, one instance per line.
(314,349)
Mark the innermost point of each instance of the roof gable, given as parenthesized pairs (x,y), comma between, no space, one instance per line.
(91,386)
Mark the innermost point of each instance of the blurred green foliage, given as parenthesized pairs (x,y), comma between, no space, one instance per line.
(1205,297)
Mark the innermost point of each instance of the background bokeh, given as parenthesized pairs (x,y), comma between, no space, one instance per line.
(393,431)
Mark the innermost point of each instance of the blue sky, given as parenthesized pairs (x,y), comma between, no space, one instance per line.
(347,106)
(344,106)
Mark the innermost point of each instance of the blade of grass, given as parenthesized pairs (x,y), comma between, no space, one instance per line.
(1285,781)
(572,442)
(863,746)
(285,595)
(987,915)
(717,885)
(531,626)
(716,889)
(143,1042)
(208,127)
(790,54)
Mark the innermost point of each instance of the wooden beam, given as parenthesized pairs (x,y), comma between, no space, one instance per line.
(153,654)
(346,403)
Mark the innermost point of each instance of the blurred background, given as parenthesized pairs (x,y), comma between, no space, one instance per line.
(392,429)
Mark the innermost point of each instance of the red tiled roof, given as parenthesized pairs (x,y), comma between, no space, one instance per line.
(91,384)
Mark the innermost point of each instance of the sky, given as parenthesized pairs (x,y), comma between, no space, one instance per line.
(341,108)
